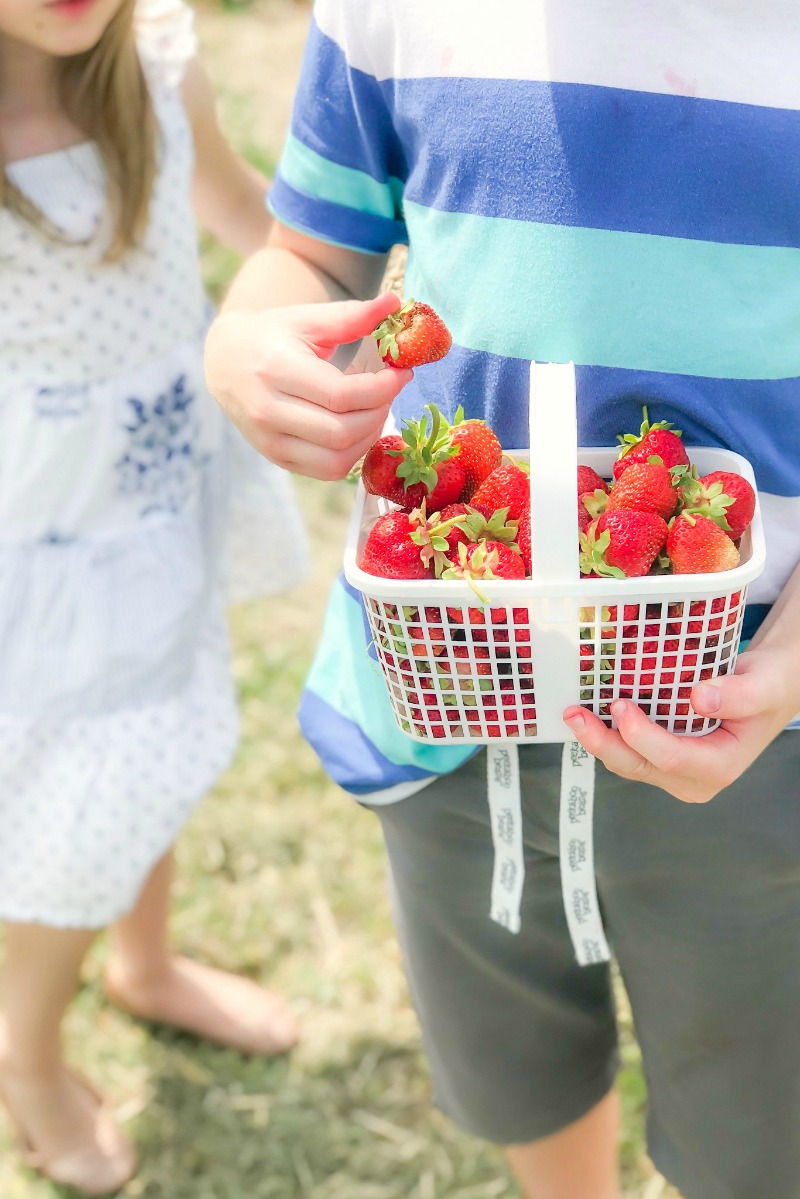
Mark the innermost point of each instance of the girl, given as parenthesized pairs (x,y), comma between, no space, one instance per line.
(116,702)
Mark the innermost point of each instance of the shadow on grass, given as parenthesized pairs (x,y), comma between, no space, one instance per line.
(359,1126)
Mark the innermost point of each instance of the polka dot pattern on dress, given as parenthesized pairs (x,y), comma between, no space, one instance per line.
(117,710)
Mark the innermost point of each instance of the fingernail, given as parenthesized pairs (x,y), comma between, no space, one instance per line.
(618,708)
(575,721)
(710,697)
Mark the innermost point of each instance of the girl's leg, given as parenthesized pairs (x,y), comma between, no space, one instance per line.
(149,981)
(67,1131)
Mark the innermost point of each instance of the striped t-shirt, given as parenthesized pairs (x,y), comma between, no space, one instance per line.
(610,183)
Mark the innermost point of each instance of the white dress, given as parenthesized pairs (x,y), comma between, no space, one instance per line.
(117,709)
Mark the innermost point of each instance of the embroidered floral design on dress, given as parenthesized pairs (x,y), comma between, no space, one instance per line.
(161,461)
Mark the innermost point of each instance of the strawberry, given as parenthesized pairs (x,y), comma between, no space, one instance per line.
(480,451)
(485,560)
(584,516)
(723,496)
(589,480)
(412,336)
(506,487)
(415,465)
(474,526)
(406,545)
(622,544)
(524,538)
(389,550)
(659,440)
(645,487)
(379,468)
(696,545)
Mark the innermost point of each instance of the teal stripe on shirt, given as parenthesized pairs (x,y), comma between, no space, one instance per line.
(309,172)
(606,298)
(347,678)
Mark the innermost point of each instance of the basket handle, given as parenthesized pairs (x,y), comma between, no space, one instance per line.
(553,424)
(555,644)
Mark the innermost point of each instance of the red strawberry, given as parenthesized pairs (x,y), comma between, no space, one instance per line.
(389,550)
(506,487)
(696,545)
(480,451)
(644,487)
(724,497)
(457,533)
(406,545)
(485,560)
(474,526)
(653,441)
(412,336)
(524,538)
(585,517)
(589,480)
(622,544)
(415,465)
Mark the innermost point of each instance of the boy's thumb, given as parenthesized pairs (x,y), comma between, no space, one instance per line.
(342,321)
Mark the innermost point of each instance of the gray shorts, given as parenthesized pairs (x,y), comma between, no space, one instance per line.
(702,907)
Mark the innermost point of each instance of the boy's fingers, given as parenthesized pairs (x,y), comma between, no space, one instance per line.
(291,417)
(339,322)
(321,383)
(605,744)
(303,458)
(733,697)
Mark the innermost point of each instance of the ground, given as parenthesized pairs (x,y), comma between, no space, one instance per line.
(282,878)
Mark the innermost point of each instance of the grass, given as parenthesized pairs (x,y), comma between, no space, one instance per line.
(282,878)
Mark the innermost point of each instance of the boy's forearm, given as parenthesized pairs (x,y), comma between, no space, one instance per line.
(781,629)
(296,269)
(274,277)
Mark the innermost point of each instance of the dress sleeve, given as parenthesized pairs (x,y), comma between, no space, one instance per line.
(165,38)
(343,168)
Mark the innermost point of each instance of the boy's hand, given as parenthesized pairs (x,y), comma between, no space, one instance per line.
(271,373)
(755,704)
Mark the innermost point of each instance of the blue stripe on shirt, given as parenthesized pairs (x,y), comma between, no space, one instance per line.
(736,414)
(362,231)
(350,758)
(562,153)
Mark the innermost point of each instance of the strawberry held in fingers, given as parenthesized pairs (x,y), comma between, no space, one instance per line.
(696,545)
(622,544)
(659,440)
(412,336)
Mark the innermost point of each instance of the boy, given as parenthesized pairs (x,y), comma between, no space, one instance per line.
(615,185)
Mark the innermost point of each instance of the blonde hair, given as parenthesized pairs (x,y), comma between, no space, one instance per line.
(105,94)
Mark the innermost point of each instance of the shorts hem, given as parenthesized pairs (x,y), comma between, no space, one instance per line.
(553,1121)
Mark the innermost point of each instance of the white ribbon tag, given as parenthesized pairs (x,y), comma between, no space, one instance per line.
(505,809)
(576,852)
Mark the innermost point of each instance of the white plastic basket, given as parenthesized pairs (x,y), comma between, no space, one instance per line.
(461,672)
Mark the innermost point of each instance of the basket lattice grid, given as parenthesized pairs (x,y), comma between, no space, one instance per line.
(464,673)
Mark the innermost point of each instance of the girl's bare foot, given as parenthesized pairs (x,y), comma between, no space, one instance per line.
(66,1131)
(212,1004)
